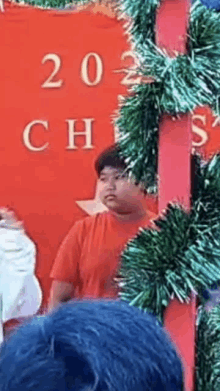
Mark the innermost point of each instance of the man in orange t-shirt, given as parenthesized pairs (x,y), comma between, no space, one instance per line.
(88,258)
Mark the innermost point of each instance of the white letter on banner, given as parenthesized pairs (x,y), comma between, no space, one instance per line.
(200,132)
(26,135)
(87,133)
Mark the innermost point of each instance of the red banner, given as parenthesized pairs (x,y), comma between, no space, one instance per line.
(61,73)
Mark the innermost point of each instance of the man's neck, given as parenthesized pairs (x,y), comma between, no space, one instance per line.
(130,216)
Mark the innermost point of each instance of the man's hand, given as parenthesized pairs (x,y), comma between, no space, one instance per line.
(61,292)
(9,220)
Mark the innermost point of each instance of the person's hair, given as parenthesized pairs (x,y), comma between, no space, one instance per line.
(110,157)
(91,346)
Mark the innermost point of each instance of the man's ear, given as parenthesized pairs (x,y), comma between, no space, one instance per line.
(141,187)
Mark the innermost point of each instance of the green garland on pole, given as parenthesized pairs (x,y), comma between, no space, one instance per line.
(182,254)
(138,124)
(208,350)
(143,14)
(56,4)
(204,43)
(181,84)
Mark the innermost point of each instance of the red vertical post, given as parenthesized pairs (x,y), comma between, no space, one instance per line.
(174,174)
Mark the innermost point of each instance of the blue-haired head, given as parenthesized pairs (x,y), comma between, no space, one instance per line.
(91,346)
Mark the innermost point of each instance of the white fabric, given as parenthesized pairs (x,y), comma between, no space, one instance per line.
(20,293)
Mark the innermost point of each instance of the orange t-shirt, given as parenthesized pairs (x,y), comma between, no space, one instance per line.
(89,255)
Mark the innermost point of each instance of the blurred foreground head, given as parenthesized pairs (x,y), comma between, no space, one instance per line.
(91,346)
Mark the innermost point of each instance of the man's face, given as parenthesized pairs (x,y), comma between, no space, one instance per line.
(118,192)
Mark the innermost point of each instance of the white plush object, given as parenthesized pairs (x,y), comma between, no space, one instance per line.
(20,293)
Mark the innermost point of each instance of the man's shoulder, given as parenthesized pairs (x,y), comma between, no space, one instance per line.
(151,215)
(89,221)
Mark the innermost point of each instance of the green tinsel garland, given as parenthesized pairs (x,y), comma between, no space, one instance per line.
(143,14)
(208,350)
(188,80)
(60,4)
(182,254)
(206,193)
(138,124)
(181,83)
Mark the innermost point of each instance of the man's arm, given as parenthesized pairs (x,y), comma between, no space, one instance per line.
(60,292)
(65,271)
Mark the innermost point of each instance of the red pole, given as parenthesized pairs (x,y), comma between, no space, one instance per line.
(174,174)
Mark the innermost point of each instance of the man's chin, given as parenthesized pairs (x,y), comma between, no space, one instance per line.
(112,205)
